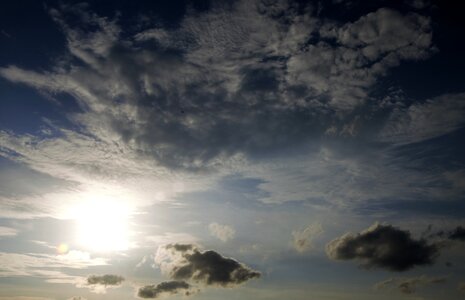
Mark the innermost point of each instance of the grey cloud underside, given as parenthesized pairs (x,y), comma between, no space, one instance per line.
(107,279)
(166,287)
(383,246)
(245,79)
(187,262)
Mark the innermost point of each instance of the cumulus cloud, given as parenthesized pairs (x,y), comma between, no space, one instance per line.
(223,232)
(383,246)
(107,279)
(166,287)
(303,239)
(187,262)
(409,285)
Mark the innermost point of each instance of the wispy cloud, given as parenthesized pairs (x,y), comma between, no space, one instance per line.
(223,232)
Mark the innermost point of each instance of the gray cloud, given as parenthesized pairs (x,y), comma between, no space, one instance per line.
(383,246)
(234,80)
(187,262)
(409,285)
(166,287)
(457,234)
(107,279)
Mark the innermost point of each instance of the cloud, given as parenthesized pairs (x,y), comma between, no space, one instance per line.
(107,279)
(223,232)
(7,231)
(241,79)
(409,285)
(303,239)
(422,121)
(457,234)
(187,262)
(166,287)
(383,246)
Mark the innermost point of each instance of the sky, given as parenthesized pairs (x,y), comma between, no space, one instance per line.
(247,149)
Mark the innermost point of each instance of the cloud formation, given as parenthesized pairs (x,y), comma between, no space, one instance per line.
(187,262)
(457,234)
(409,285)
(303,239)
(223,232)
(107,279)
(166,287)
(383,246)
(244,79)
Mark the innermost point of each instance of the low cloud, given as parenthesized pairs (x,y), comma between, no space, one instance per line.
(223,232)
(107,279)
(166,287)
(457,234)
(409,285)
(303,239)
(383,246)
(187,262)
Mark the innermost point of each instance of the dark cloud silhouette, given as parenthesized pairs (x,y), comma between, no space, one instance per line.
(457,234)
(409,285)
(107,279)
(383,246)
(187,262)
(166,287)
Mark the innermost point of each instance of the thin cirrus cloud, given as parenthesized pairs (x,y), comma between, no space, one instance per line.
(409,285)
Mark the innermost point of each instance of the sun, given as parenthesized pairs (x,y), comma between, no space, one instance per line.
(102,225)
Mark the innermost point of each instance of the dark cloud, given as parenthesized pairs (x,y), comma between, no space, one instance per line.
(187,262)
(457,234)
(383,246)
(409,285)
(107,279)
(166,287)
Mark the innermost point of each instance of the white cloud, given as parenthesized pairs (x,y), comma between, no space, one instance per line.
(303,240)
(7,231)
(422,121)
(42,265)
(223,232)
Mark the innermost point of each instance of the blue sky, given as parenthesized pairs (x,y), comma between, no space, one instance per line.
(238,149)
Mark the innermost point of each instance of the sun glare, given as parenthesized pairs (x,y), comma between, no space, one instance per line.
(103,225)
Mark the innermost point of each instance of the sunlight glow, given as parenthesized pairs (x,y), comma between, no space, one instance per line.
(103,225)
